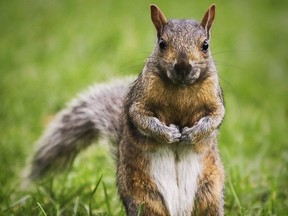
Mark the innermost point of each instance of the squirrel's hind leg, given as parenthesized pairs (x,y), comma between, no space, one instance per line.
(210,194)
(137,190)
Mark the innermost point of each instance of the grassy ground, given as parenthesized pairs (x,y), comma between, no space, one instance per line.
(50,50)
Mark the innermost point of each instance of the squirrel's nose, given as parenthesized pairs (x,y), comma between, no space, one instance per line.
(183,68)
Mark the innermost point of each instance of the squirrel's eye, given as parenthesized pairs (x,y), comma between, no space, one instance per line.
(162,44)
(205,45)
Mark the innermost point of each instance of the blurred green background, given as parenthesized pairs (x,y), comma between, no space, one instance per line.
(51,50)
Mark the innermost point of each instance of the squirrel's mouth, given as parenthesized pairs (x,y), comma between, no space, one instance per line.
(183,79)
(185,83)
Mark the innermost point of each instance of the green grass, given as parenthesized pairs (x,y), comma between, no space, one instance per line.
(50,50)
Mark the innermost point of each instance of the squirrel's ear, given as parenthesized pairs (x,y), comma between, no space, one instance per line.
(158,18)
(208,19)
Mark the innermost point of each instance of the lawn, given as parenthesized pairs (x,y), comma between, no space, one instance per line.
(51,50)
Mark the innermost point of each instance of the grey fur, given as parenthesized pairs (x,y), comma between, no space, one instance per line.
(95,112)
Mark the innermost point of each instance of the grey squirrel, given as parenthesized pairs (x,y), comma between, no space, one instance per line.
(164,125)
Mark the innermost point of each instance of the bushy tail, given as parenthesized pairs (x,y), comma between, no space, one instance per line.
(93,113)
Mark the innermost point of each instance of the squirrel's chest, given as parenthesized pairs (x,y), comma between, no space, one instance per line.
(181,108)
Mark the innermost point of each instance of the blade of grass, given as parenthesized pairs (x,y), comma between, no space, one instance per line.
(106,199)
(140,209)
(68,197)
(92,194)
(43,192)
(234,193)
(76,205)
(20,202)
(42,210)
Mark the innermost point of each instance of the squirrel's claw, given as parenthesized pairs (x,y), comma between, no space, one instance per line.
(173,134)
(187,136)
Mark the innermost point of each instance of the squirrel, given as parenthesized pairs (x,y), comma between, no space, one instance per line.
(164,126)
(167,155)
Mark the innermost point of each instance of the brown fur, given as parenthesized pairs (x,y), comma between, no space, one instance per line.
(173,105)
(134,183)
(209,197)
(163,109)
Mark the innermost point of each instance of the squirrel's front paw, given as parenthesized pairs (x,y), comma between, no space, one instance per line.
(191,135)
(187,135)
(171,134)
(194,134)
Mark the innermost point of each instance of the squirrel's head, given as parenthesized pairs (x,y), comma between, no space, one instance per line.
(182,49)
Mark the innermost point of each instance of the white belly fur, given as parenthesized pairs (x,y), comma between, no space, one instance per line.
(176,179)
